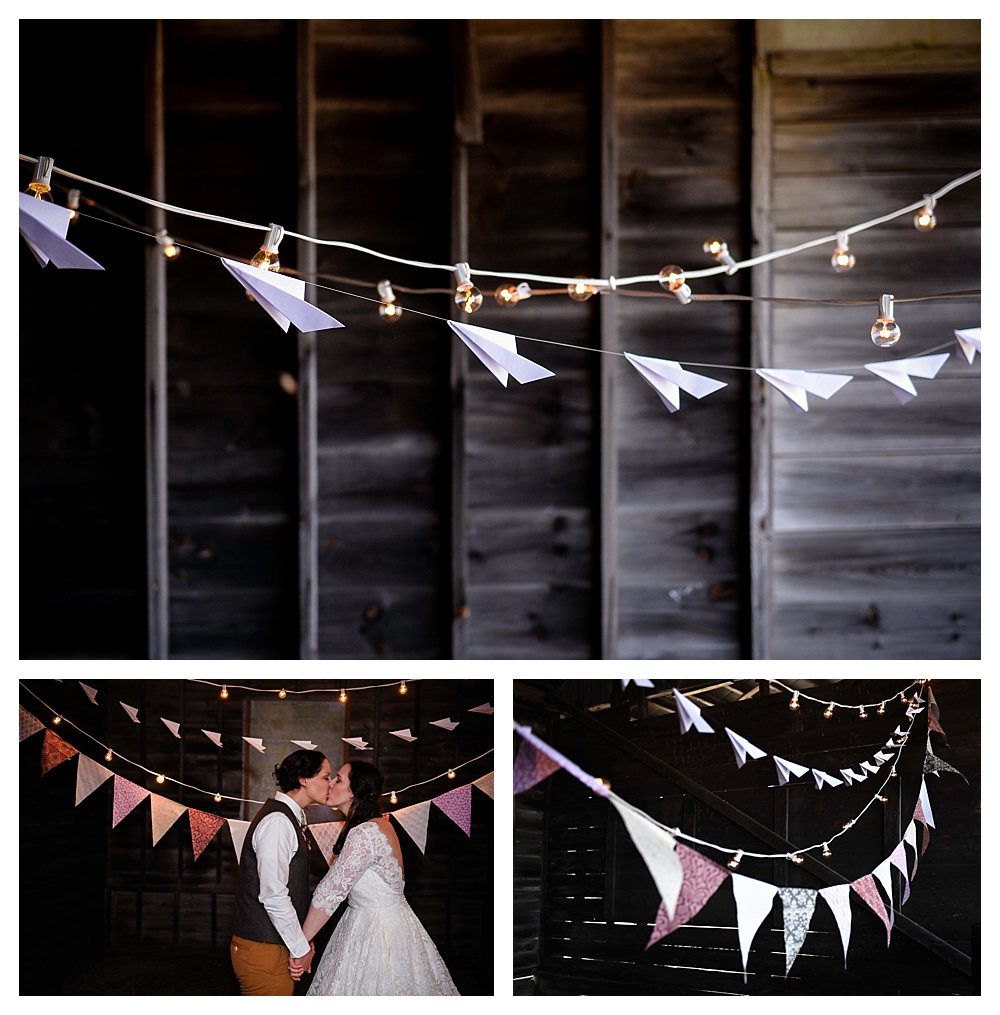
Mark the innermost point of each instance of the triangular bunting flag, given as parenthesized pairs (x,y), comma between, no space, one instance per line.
(164,812)
(702,878)
(486,708)
(306,745)
(55,751)
(926,802)
(690,714)
(753,903)
(932,763)
(128,796)
(898,860)
(897,373)
(282,297)
(918,815)
(413,821)
(238,830)
(174,727)
(668,379)
(884,874)
(457,804)
(658,848)
(445,724)
(970,342)
(743,747)
(497,351)
(325,835)
(786,768)
(89,775)
(255,742)
(43,226)
(28,724)
(866,888)
(934,716)
(91,692)
(216,738)
(798,905)
(910,836)
(531,766)
(203,829)
(822,778)
(361,745)
(794,384)
(837,897)
(133,713)
(403,735)
(485,783)
(638,681)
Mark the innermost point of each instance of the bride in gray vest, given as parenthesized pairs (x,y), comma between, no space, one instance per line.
(379,947)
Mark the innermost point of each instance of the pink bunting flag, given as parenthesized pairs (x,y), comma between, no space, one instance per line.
(29,725)
(203,829)
(128,796)
(898,860)
(325,834)
(55,751)
(531,766)
(457,804)
(868,890)
(918,815)
(702,878)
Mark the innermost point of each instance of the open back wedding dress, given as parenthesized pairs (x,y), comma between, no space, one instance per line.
(379,947)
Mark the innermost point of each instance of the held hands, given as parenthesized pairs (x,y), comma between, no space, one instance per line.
(303,964)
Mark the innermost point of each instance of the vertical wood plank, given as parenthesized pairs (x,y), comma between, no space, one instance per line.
(157,575)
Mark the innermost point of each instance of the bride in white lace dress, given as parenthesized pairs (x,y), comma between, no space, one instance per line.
(379,947)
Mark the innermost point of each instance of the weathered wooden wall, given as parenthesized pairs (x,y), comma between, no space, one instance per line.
(599,901)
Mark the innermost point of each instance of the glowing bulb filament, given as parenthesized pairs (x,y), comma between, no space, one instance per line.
(719,249)
(56,720)
(885,331)
(467,296)
(451,773)
(392,797)
(402,687)
(225,692)
(797,859)
(267,256)
(109,756)
(580,291)
(735,862)
(282,693)
(828,711)
(672,279)
(924,221)
(161,779)
(862,714)
(387,308)
(217,798)
(881,709)
(826,849)
(794,703)
(343,695)
(848,824)
(170,249)
(842,259)
(73,203)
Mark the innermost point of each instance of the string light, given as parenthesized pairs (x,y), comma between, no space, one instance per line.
(73,203)
(719,249)
(848,824)
(402,687)
(882,799)
(467,296)
(893,774)
(282,693)
(161,779)
(794,703)
(603,782)
(828,712)
(343,695)
(511,293)
(881,708)
(826,849)
(735,862)
(862,714)
(451,773)
(41,179)
(924,220)
(796,859)
(885,331)
(672,279)
(842,259)
(56,720)
(267,256)
(392,797)
(224,693)
(581,291)
(170,249)
(217,798)
(109,756)
(387,308)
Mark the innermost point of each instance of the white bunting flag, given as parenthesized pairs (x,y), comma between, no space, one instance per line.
(216,738)
(822,778)
(403,735)
(743,747)
(413,821)
(788,767)
(27,723)
(838,898)
(238,830)
(658,849)
(753,903)
(869,767)
(43,226)
(133,713)
(969,342)
(910,836)
(255,742)
(306,745)
(164,812)
(668,379)
(638,681)
(897,373)
(174,727)
(497,351)
(485,708)
(690,714)
(926,801)
(361,745)
(283,297)
(89,775)
(89,691)
(445,724)
(485,783)
(794,384)
(883,873)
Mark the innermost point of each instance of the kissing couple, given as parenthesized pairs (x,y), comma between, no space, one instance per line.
(379,947)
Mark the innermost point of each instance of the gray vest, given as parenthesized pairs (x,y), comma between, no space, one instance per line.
(252,921)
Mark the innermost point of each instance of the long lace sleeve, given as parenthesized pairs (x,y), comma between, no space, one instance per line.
(356,857)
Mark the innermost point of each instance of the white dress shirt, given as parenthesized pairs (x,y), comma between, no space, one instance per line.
(275,843)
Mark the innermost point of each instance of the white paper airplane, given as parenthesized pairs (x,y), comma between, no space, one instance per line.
(794,384)
(486,708)
(869,767)
(174,727)
(403,734)
(850,776)
(897,373)
(822,778)
(306,745)
(43,226)
(881,758)
(913,710)
(742,747)
(216,738)
(497,351)
(256,743)
(638,681)
(690,714)
(788,767)
(445,724)
(89,691)
(132,712)
(282,297)
(969,342)
(668,379)
(361,745)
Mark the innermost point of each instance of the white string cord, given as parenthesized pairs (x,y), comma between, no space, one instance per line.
(556,279)
(454,768)
(315,690)
(839,704)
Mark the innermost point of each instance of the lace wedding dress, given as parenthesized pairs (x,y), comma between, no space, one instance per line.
(379,946)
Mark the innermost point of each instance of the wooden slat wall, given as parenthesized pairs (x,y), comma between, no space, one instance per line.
(870,535)
(600,902)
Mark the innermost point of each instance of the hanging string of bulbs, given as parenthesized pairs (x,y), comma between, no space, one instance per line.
(885,332)
(283,692)
(828,712)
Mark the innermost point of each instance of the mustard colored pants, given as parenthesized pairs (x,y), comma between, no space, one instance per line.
(261,968)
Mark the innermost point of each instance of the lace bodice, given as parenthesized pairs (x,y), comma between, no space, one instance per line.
(366,871)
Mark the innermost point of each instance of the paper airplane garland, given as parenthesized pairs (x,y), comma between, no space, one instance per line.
(133,713)
(174,727)
(403,735)
(690,714)
(823,779)
(497,351)
(43,227)
(282,296)
(794,384)
(668,379)
(306,745)
(445,724)
(786,768)
(742,747)
(256,743)
(89,691)
(216,738)
(897,373)
(361,745)
(851,777)
(969,341)
(638,681)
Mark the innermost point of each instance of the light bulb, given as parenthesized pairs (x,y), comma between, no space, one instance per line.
(451,773)
(467,296)
(581,291)
(267,256)
(672,279)
(161,779)
(826,849)
(882,799)
(387,308)
(41,179)
(719,249)
(217,798)
(862,714)
(225,692)
(510,294)
(392,797)
(73,203)
(885,331)
(343,695)
(109,756)
(603,782)
(848,824)
(170,249)
(881,709)
(56,720)
(828,711)
(796,858)
(735,862)
(894,774)
(282,693)
(794,703)
(402,687)
(924,220)
(842,259)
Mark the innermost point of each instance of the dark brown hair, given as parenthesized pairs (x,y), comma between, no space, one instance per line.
(366,785)
(298,765)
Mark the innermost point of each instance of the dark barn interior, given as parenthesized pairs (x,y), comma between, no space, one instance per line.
(118,916)
(584,901)
(195,484)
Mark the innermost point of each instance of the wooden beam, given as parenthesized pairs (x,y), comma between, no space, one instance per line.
(867,63)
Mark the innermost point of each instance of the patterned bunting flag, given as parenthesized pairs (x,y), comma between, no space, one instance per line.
(238,830)
(55,751)
(457,804)
(754,900)
(89,775)
(918,815)
(898,860)
(798,905)
(910,836)
(932,763)
(203,829)
(164,812)
(325,834)
(884,874)
(531,766)
(485,783)
(29,725)
(128,796)
(867,889)
(702,878)
(838,898)
(658,848)
(934,716)
(413,821)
